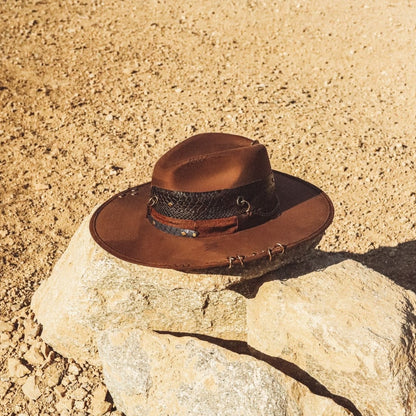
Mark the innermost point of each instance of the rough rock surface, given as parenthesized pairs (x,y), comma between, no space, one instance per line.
(349,327)
(158,375)
(90,289)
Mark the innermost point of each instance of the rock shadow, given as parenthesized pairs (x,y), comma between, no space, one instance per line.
(286,367)
(398,263)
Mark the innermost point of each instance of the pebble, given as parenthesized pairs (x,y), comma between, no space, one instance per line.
(32,330)
(33,356)
(53,375)
(41,186)
(79,405)
(59,391)
(99,406)
(4,337)
(65,381)
(16,368)
(74,369)
(23,347)
(6,326)
(31,389)
(65,403)
(79,394)
(100,393)
(5,345)
(71,378)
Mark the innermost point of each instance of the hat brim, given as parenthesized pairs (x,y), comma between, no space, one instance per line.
(121,227)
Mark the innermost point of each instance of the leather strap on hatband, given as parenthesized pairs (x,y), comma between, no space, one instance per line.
(201,214)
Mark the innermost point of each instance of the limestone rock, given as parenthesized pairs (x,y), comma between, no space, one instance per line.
(158,375)
(348,327)
(89,290)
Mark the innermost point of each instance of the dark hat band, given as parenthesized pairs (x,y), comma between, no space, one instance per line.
(194,214)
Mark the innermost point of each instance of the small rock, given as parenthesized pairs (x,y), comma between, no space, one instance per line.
(65,381)
(98,404)
(4,337)
(41,186)
(24,348)
(45,351)
(34,356)
(59,391)
(30,388)
(53,375)
(16,368)
(32,329)
(6,326)
(5,345)
(66,403)
(79,405)
(39,372)
(71,378)
(99,408)
(85,380)
(100,393)
(79,394)
(74,369)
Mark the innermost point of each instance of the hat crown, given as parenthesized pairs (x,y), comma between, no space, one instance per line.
(211,161)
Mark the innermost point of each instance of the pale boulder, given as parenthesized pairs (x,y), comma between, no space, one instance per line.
(349,327)
(90,290)
(150,374)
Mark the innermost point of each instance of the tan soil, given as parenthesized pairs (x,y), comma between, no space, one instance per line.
(93,92)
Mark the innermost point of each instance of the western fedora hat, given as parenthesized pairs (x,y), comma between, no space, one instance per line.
(214,201)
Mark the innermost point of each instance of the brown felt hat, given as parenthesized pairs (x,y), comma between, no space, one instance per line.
(214,201)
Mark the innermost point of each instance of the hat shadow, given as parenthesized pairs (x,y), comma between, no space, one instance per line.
(398,263)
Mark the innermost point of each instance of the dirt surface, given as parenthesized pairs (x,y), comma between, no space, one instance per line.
(93,92)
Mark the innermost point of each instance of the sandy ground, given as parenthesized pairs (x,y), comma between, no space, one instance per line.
(92,93)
